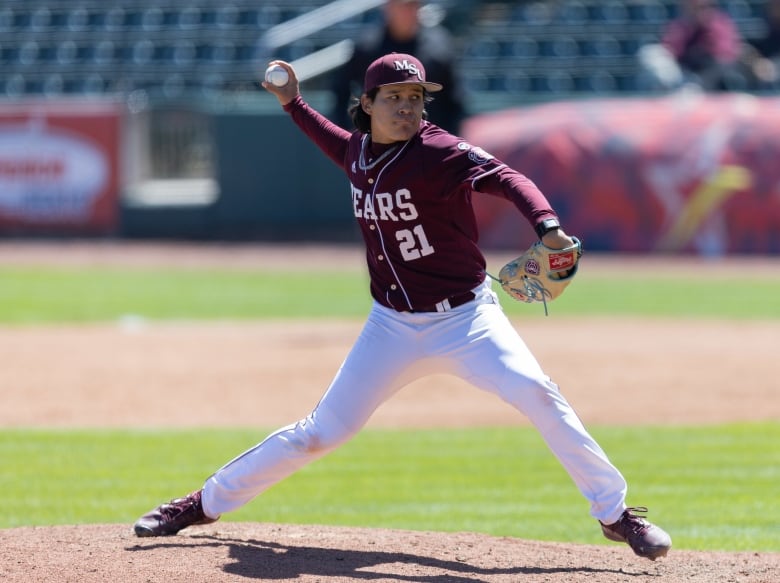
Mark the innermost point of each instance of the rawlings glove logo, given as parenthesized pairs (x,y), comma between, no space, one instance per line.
(560,261)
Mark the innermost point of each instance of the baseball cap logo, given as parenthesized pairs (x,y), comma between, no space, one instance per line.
(410,68)
(397,68)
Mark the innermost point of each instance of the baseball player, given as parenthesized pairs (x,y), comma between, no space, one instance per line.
(433,311)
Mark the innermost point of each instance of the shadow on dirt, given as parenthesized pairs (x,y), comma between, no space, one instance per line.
(264,560)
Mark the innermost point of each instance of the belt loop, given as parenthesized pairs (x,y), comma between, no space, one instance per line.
(443,306)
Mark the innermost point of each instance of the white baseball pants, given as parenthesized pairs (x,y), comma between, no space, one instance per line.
(475,342)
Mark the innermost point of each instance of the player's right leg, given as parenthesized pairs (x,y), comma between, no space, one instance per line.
(376,367)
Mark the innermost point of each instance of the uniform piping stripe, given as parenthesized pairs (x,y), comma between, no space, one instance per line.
(381,237)
(481,176)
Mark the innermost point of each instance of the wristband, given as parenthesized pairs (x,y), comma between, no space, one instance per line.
(546,226)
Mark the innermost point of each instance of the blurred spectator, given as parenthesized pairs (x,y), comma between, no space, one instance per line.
(765,63)
(702,47)
(403,32)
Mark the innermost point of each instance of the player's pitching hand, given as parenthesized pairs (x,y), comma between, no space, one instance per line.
(286,93)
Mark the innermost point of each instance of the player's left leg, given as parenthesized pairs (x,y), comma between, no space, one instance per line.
(492,356)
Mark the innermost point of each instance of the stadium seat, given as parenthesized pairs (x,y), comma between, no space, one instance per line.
(647,12)
(104,52)
(535,13)
(483,48)
(629,45)
(188,18)
(524,48)
(7,20)
(41,20)
(245,53)
(184,52)
(114,18)
(601,82)
(21,20)
(556,82)
(222,52)
(211,83)
(174,85)
(118,84)
(53,85)
(517,47)
(67,52)
(573,12)
(93,84)
(227,16)
(77,19)
(28,53)
(268,15)
(133,19)
(477,81)
(15,85)
(143,52)
(152,19)
(560,47)
(517,82)
(738,9)
(605,45)
(612,12)
(300,48)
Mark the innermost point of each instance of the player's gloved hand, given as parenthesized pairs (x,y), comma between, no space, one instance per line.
(557,239)
(544,270)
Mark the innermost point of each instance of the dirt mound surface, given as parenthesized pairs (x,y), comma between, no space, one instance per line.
(308,554)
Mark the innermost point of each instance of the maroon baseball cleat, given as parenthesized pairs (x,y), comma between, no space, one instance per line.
(645,539)
(168,519)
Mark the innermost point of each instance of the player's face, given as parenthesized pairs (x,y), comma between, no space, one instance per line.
(395,112)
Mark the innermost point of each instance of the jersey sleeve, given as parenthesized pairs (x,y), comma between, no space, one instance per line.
(520,190)
(472,168)
(330,138)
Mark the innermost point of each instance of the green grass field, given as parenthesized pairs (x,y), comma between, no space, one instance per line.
(41,295)
(712,487)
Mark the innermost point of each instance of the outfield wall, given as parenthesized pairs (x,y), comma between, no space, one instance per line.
(682,173)
(689,173)
(59,167)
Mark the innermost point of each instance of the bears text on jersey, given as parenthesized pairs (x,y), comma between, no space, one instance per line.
(384,206)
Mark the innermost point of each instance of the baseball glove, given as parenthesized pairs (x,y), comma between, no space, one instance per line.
(541,273)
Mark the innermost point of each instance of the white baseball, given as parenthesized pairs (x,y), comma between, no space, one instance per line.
(277,75)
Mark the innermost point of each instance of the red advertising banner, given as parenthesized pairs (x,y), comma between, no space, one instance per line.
(688,173)
(59,167)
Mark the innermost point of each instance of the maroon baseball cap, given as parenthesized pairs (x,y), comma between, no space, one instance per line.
(397,68)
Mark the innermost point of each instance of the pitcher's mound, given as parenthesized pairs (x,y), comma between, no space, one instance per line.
(272,552)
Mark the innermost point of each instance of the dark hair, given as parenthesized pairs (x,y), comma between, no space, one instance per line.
(362,120)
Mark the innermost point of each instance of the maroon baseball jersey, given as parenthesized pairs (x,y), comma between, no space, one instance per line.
(412,201)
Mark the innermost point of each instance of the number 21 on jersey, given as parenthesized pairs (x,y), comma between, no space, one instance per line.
(413,243)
